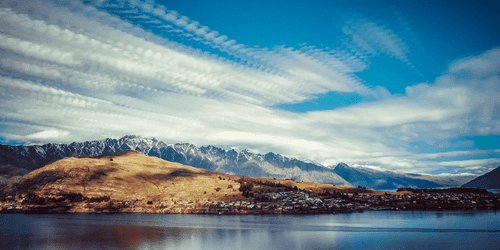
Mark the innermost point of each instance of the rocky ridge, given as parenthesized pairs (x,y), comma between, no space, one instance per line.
(211,158)
(244,163)
(129,182)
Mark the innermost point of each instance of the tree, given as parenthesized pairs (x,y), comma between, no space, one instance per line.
(245,185)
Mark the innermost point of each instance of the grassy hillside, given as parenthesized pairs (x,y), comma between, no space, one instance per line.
(132,182)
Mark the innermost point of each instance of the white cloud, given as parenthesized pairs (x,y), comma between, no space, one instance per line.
(386,114)
(460,174)
(467,163)
(482,65)
(83,79)
(48,134)
(139,17)
(375,39)
(451,154)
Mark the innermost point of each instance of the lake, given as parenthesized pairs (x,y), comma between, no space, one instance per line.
(368,230)
(495,191)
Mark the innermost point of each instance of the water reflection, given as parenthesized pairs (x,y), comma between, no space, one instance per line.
(369,230)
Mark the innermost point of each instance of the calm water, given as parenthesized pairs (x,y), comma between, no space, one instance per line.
(368,230)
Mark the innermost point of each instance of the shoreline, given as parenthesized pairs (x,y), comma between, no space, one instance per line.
(30,209)
(286,201)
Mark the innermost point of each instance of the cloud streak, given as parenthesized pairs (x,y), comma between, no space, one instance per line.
(75,72)
(374,39)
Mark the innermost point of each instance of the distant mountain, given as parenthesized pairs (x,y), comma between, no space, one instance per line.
(210,158)
(450,180)
(378,180)
(490,180)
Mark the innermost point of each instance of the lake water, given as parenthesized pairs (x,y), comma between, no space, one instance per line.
(368,230)
(495,191)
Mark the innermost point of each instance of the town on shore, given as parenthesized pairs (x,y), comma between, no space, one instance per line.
(307,202)
(130,182)
(270,200)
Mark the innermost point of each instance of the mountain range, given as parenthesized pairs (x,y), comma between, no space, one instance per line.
(15,161)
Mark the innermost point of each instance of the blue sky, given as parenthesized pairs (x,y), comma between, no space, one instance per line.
(399,85)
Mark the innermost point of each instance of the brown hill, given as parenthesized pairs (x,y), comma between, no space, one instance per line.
(490,180)
(132,182)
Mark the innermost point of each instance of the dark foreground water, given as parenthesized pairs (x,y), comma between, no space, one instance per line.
(368,230)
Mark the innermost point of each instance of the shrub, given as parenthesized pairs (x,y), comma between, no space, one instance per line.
(246,187)
(34,199)
(75,197)
(98,199)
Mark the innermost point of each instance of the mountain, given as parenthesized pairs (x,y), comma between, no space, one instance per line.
(490,180)
(449,180)
(210,158)
(127,181)
(377,179)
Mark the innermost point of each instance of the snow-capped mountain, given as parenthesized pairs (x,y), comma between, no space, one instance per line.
(211,158)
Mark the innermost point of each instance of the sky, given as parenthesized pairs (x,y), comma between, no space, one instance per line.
(408,86)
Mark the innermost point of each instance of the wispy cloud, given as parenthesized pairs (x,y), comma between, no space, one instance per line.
(368,39)
(451,154)
(76,72)
(375,39)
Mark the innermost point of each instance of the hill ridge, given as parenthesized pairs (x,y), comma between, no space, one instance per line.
(212,158)
(209,157)
(490,180)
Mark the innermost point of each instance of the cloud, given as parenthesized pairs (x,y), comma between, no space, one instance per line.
(468,163)
(48,134)
(76,73)
(334,67)
(451,154)
(389,113)
(139,17)
(483,65)
(375,39)
(182,21)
